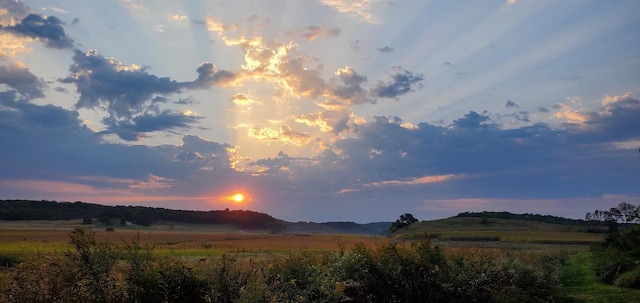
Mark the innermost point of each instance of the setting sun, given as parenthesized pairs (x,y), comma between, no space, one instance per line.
(238,198)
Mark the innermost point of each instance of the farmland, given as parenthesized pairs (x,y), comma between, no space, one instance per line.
(473,251)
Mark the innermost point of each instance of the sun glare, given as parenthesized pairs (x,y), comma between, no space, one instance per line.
(238,198)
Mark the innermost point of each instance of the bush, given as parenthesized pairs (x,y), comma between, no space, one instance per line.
(393,272)
(617,254)
(630,279)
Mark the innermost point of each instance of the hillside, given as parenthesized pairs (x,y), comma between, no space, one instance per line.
(376,228)
(139,215)
(476,229)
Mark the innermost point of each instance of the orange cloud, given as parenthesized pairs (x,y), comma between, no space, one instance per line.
(415,181)
(284,134)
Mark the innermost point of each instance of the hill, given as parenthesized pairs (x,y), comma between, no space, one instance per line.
(528,217)
(504,231)
(376,228)
(140,215)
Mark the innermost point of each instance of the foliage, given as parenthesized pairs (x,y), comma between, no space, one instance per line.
(579,284)
(404,220)
(524,217)
(392,272)
(617,255)
(145,216)
(617,259)
(623,213)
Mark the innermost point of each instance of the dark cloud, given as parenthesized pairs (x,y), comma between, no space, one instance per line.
(209,76)
(472,120)
(385,49)
(477,155)
(44,116)
(543,110)
(202,154)
(121,90)
(615,121)
(133,129)
(446,63)
(132,97)
(49,30)
(403,82)
(75,21)
(186,101)
(51,143)
(22,80)
(511,104)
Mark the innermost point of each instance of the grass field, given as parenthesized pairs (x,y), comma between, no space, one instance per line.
(467,237)
(25,239)
(579,284)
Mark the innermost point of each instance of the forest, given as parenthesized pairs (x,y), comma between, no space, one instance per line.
(138,215)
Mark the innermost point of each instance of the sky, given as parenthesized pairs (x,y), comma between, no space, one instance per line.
(326,110)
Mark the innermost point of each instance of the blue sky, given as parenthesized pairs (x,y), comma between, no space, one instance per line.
(323,110)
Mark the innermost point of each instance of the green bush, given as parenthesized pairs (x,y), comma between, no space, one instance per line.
(393,272)
(618,254)
(630,279)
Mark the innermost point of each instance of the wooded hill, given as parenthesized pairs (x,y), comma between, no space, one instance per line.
(139,215)
(529,217)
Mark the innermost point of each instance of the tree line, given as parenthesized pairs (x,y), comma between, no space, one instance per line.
(525,217)
(617,259)
(139,215)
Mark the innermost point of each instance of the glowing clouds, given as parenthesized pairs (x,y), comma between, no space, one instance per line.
(284,134)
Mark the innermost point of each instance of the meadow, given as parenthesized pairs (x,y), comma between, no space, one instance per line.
(459,259)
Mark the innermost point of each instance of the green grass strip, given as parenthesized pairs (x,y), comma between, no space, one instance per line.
(579,284)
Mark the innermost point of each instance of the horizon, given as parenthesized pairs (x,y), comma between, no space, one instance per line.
(302,221)
(323,110)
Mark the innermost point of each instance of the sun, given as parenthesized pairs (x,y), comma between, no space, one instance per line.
(238,198)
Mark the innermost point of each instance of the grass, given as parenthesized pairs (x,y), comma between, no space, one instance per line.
(579,284)
(498,233)
(188,241)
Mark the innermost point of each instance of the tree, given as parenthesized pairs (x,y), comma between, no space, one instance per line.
(404,220)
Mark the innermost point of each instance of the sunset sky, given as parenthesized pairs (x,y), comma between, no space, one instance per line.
(326,110)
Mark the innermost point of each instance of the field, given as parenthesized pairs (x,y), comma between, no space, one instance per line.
(24,239)
(459,239)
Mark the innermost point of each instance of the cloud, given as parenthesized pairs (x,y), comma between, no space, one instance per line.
(132,129)
(131,96)
(299,80)
(18,77)
(49,30)
(209,76)
(284,134)
(385,49)
(202,154)
(348,86)
(472,120)
(313,32)
(511,104)
(413,181)
(572,115)
(403,82)
(243,100)
(354,8)
(12,11)
(123,90)
(334,121)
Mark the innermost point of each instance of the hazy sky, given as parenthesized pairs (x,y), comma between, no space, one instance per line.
(327,110)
